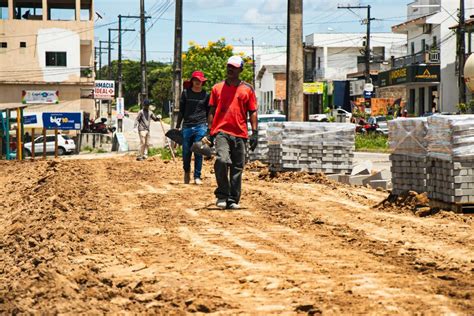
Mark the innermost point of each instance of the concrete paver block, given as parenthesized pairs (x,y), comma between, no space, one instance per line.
(362,168)
(381,175)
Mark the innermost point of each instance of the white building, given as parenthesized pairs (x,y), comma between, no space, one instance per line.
(428,71)
(333,56)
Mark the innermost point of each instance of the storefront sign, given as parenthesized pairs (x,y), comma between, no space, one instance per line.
(62,120)
(40,97)
(313,88)
(30,119)
(413,73)
(104,89)
(357,87)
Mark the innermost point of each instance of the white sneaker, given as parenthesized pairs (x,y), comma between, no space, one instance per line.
(221,203)
(233,206)
(198,181)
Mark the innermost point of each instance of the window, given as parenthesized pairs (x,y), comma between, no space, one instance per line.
(413,48)
(435,42)
(423,44)
(319,62)
(3,45)
(56,59)
(3,10)
(50,139)
(22,44)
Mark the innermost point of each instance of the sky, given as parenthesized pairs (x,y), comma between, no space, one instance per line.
(237,21)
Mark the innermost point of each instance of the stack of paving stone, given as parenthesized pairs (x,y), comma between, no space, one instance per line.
(311,147)
(408,146)
(261,152)
(451,158)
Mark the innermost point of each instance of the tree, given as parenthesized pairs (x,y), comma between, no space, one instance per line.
(159,76)
(212,60)
(160,80)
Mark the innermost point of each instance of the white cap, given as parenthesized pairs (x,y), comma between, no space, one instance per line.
(236,61)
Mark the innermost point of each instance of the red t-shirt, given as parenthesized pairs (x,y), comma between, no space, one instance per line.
(232,104)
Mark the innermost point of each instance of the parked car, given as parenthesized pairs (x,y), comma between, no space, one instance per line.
(318,118)
(340,111)
(381,123)
(266,118)
(65,145)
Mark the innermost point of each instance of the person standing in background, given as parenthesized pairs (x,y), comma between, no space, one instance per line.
(193,111)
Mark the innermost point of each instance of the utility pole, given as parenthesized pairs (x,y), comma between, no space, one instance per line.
(109,70)
(109,48)
(294,62)
(144,90)
(253,61)
(243,40)
(177,65)
(367,40)
(461,30)
(119,66)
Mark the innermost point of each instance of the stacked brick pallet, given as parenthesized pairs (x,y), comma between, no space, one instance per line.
(261,152)
(451,158)
(409,154)
(311,147)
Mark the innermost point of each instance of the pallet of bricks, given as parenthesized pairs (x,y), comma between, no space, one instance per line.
(408,147)
(311,147)
(451,158)
(261,152)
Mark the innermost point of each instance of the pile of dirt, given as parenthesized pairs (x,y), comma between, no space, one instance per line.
(53,212)
(256,165)
(294,177)
(411,201)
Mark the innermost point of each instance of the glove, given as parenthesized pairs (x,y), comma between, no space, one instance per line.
(208,139)
(158,117)
(253,140)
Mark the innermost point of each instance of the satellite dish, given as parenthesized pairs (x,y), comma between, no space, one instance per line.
(469,73)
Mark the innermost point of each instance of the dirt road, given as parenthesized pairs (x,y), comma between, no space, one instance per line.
(105,236)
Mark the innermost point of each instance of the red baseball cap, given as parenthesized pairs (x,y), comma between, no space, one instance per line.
(199,75)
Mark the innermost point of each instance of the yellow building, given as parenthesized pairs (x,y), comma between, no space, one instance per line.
(47,54)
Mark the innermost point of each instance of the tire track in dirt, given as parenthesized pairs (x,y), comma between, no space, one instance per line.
(441,276)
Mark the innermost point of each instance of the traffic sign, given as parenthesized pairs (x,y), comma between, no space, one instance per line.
(120,108)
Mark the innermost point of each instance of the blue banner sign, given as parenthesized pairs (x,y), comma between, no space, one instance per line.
(30,119)
(62,121)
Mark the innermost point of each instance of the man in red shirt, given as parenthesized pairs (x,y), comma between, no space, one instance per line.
(230,103)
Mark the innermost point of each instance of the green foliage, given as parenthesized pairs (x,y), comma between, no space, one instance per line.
(165,153)
(88,149)
(332,119)
(471,106)
(134,108)
(462,107)
(371,142)
(212,60)
(159,76)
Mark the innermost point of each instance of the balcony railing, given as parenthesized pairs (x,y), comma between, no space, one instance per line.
(426,57)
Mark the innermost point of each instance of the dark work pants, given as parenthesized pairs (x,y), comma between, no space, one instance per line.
(229,166)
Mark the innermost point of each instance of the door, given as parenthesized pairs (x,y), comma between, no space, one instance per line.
(421,102)
(50,144)
(39,145)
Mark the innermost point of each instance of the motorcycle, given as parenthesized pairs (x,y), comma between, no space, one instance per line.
(100,127)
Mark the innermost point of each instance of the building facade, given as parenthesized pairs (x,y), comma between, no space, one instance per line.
(47,47)
(271,88)
(428,71)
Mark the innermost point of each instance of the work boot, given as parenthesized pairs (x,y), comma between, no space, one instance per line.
(187,177)
(198,181)
(139,158)
(221,203)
